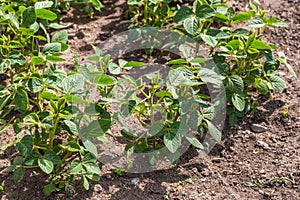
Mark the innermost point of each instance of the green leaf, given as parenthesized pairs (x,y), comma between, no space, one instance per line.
(127,108)
(45,14)
(213,131)
(256,22)
(277,83)
(157,128)
(73,83)
(4,98)
(261,86)
(97,4)
(258,44)
(21,100)
(191,25)
(37,60)
(56,26)
(104,80)
(28,16)
(52,156)
(172,139)
(85,183)
(114,69)
(15,57)
(49,189)
(194,141)
(76,167)
(133,64)
(238,102)
(18,160)
(54,58)
(72,127)
(235,83)
(209,40)
(14,21)
(49,95)
(92,167)
(34,85)
(43,4)
(241,17)
(209,112)
(183,13)
(52,48)
(97,127)
(73,146)
(283,60)
(61,36)
(204,11)
(90,146)
(210,76)
(134,34)
(19,174)
(45,165)
(177,62)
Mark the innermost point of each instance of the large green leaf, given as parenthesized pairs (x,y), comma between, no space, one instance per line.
(191,25)
(183,13)
(21,100)
(204,11)
(28,16)
(238,102)
(104,80)
(213,131)
(209,40)
(25,146)
(61,36)
(256,22)
(261,86)
(73,83)
(52,156)
(43,4)
(72,127)
(45,14)
(45,165)
(19,174)
(34,85)
(277,83)
(52,48)
(241,17)
(258,44)
(15,57)
(49,188)
(194,141)
(235,83)
(172,140)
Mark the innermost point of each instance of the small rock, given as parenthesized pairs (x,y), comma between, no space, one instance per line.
(262,171)
(108,176)
(205,173)
(263,145)
(203,179)
(135,181)
(194,169)
(98,188)
(216,160)
(257,128)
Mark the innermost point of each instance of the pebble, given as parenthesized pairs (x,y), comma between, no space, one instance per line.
(216,160)
(263,145)
(206,173)
(98,188)
(257,128)
(135,181)
(194,169)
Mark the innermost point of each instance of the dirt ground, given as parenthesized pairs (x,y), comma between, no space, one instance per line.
(243,156)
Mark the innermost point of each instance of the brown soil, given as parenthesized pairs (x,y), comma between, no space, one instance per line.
(242,156)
